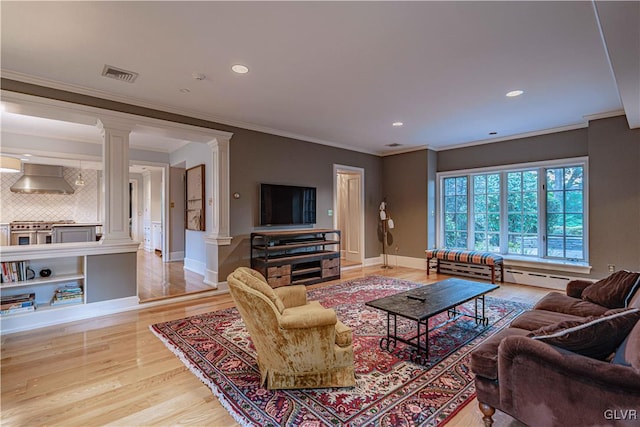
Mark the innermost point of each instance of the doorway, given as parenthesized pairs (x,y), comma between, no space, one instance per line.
(349,209)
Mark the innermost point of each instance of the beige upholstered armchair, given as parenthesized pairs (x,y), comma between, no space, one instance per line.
(300,344)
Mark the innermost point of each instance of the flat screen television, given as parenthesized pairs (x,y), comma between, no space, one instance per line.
(287,205)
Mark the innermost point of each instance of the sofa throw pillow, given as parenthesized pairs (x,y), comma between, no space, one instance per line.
(614,291)
(595,337)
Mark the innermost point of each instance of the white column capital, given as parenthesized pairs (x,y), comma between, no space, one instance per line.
(115,124)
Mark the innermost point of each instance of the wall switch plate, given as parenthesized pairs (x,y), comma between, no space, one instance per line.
(330,212)
(611,267)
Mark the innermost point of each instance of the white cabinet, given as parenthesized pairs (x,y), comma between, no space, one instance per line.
(4,235)
(147,237)
(156,232)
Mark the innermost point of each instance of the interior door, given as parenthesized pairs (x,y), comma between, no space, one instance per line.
(349,215)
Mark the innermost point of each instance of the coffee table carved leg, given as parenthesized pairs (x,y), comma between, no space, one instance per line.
(488,412)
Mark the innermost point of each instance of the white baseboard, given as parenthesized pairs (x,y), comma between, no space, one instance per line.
(58,315)
(176,256)
(195,266)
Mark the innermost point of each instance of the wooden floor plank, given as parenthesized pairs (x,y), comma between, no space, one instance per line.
(113,371)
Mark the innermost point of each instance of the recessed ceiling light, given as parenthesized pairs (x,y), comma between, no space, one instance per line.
(240,69)
(514,93)
(396,124)
(185,90)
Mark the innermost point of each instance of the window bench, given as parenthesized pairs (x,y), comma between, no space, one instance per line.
(467,257)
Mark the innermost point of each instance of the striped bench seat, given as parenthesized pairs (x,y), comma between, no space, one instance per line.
(467,257)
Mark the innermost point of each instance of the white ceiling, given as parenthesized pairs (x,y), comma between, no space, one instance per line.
(341,72)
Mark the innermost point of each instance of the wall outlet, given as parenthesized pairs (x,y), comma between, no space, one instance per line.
(330,212)
(611,267)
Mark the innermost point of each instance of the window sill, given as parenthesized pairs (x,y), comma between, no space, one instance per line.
(545,264)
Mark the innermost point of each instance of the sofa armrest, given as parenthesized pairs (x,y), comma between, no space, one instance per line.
(575,287)
(292,296)
(540,382)
(310,318)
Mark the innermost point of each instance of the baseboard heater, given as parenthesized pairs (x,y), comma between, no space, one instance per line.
(511,275)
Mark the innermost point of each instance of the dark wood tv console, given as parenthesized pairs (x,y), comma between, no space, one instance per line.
(293,257)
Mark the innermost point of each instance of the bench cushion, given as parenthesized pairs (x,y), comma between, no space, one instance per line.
(472,257)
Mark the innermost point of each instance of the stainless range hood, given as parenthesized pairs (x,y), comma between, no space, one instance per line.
(42,179)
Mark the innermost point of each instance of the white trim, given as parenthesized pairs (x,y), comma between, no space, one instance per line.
(516,167)
(360,171)
(547,264)
(211,278)
(57,250)
(369,262)
(195,266)
(166,108)
(176,256)
(65,314)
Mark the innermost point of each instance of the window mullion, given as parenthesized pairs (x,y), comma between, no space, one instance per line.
(542,212)
(470,221)
(504,221)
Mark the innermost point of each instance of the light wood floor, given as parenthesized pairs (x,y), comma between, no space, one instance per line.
(112,370)
(159,280)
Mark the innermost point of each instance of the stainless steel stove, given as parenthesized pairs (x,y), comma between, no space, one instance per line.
(33,232)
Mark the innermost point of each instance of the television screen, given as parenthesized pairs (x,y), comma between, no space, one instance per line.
(287,205)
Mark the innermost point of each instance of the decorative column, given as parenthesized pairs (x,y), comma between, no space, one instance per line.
(219,211)
(115,162)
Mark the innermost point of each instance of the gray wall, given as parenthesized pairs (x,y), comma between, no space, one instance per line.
(404,183)
(614,181)
(533,149)
(614,195)
(111,276)
(176,210)
(257,157)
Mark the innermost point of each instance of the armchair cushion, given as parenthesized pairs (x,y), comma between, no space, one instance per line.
(307,316)
(344,335)
(614,291)
(257,282)
(292,296)
(595,337)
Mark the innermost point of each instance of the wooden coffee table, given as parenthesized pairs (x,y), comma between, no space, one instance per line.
(427,301)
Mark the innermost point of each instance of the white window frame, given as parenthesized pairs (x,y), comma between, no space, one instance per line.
(542,200)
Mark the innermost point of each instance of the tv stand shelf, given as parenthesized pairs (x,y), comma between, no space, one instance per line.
(291,257)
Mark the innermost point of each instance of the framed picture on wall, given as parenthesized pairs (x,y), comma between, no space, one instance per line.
(194,215)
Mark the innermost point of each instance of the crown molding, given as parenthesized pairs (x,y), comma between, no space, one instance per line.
(38,81)
(605,115)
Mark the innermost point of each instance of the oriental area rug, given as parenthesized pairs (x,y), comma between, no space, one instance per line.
(390,390)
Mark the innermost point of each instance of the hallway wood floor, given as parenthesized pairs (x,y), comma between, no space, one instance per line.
(160,280)
(112,370)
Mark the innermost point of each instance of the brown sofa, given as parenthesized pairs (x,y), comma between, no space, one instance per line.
(555,365)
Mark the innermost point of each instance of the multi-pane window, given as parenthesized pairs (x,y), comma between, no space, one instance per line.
(486,212)
(565,212)
(455,212)
(536,211)
(522,212)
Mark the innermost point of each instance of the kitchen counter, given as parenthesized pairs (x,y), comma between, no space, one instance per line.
(78,224)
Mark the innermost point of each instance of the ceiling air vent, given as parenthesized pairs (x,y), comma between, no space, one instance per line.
(119,74)
(395,144)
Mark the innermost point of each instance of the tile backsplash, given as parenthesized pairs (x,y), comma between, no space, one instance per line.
(81,206)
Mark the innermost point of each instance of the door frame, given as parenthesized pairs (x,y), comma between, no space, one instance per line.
(337,168)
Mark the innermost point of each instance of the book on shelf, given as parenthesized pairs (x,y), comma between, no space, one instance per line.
(13,271)
(68,294)
(11,304)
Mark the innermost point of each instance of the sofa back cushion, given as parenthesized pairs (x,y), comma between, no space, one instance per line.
(628,354)
(614,291)
(595,337)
